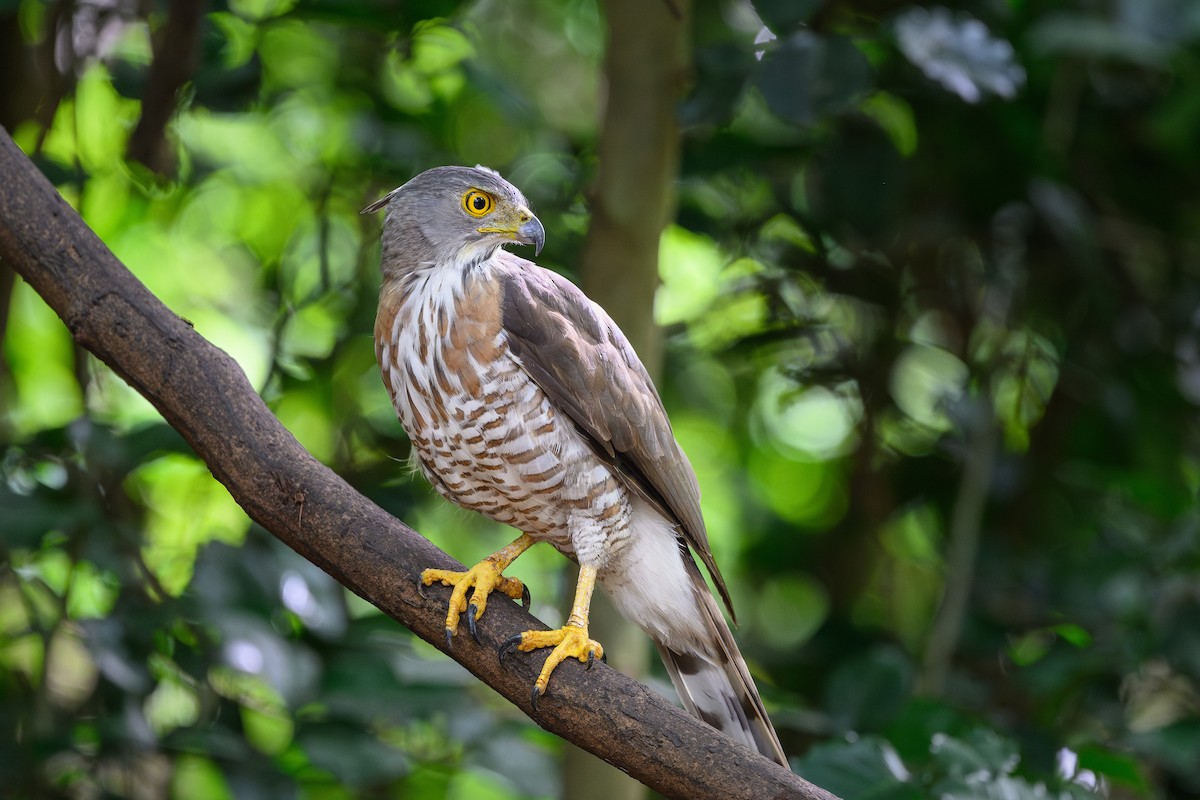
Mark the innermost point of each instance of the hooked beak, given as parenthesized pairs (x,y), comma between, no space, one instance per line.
(532,232)
(520,226)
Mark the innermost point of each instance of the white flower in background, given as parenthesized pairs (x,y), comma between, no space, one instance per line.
(959,52)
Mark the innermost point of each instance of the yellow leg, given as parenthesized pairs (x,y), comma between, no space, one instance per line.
(569,641)
(486,577)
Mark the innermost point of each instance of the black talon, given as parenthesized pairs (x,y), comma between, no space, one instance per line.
(591,658)
(471,611)
(604,658)
(421,587)
(533,698)
(509,644)
(525,598)
(449,638)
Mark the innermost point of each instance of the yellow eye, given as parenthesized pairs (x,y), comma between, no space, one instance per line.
(477,203)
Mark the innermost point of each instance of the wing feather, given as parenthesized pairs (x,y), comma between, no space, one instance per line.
(582,361)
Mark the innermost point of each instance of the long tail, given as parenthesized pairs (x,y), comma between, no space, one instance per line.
(656,584)
(716,686)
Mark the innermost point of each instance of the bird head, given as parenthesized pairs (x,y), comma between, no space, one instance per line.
(455,215)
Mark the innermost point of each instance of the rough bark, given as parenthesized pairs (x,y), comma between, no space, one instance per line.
(202,393)
(645,61)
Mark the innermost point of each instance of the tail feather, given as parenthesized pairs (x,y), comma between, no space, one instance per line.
(717,687)
(656,584)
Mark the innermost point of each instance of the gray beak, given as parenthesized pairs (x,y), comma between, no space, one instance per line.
(532,232)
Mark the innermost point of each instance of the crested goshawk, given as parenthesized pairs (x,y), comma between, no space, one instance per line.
(526,403)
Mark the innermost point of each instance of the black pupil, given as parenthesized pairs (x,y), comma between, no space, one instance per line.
(478,202)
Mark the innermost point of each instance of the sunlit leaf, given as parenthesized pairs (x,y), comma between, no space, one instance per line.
(92,592)
(261,9)
(186,507)
(240,37)
(40,357)
(308,415)
(689,265)
(197,776)
(471,785)
(924,380)
(1022,386)
(269,732)
(710,449)
(806,492)
(406,88)
(808,423)
(171,705)
(102,122)
(437,48)
(895,116)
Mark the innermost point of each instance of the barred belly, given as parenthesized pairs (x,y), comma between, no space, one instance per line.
(483,432)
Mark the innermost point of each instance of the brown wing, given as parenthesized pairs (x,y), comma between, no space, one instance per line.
(586,366)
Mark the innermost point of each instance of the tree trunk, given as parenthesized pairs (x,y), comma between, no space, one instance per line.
(632,200)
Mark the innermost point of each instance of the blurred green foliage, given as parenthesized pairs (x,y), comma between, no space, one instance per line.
(932,299)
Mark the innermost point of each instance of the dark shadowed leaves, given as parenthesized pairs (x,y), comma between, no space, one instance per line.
(866,693)
(860,769)
(783,16)
(721,75)
(807,76)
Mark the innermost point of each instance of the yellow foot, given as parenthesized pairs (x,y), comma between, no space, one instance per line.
(569,641)
(485,577)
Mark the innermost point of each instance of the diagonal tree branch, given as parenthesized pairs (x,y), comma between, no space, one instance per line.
(202,393)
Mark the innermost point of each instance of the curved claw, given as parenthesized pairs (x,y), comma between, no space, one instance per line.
(421,587)
(604,657)
(591,659)
(508,645)
(472,610)
(449,638)
(526,600)
(533,698)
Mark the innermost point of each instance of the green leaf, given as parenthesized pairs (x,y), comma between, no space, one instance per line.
(897,119)
(1120,768)
(862,769)
(1031,647)
(197,776)
(981,752)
